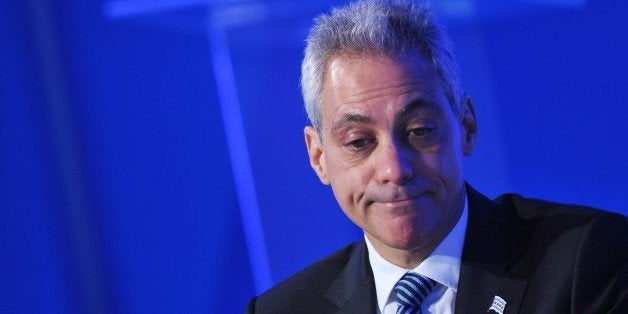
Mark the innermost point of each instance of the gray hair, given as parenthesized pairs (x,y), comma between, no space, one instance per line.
(378,28)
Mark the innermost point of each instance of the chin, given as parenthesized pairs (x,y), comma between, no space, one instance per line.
(407,242)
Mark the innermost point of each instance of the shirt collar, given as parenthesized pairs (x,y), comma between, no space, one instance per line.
(442,265)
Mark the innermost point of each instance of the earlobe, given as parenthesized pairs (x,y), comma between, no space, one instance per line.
(470,126)
(316,153)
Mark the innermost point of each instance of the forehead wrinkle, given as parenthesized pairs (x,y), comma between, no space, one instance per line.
(380,91)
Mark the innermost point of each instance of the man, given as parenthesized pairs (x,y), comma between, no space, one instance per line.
(390,126)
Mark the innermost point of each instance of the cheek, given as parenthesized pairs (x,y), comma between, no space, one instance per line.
(345,196)
(348,184)
(444,166)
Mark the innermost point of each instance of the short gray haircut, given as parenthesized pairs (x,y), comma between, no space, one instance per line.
(377,28)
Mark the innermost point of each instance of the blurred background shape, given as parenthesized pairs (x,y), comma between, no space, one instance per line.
(152,156)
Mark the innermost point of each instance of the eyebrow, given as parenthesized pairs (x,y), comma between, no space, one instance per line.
(350,117)
(419,103)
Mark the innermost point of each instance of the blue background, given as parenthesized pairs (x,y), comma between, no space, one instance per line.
(152,156)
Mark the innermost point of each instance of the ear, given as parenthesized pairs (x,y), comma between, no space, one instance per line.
(469,125)
(315,151)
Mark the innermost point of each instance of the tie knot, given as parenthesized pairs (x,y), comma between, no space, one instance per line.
(411,290)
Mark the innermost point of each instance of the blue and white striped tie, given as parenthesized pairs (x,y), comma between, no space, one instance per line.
(411,290)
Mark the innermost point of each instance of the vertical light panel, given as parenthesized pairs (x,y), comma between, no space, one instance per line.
(76,212)
(239,155)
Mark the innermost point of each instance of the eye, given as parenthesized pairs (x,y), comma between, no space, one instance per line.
(420,132)
(359,143)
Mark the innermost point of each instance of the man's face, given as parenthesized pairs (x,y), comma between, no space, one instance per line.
(392,149)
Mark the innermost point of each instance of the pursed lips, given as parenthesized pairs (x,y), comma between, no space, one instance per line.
(397,199)
(401,201)
(402,206)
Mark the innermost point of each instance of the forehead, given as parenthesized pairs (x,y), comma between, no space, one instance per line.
(371,83)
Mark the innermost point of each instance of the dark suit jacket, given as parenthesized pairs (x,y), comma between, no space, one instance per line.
(539,257)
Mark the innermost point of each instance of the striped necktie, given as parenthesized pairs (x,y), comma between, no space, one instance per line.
(411,290)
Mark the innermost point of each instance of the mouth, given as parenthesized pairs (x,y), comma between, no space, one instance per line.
(403,202)
(397,199)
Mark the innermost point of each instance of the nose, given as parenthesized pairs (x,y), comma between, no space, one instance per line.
(394,164)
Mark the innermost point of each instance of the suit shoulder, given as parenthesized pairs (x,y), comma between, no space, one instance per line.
(317,274)
(538,221)
(309,283)
(582,249)
(531,208)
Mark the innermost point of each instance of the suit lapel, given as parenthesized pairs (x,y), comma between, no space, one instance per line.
(354,289)
(490,247)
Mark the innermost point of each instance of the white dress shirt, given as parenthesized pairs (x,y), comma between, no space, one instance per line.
(442,265)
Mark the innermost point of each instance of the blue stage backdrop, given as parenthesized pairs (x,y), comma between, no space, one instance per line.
(152,156)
